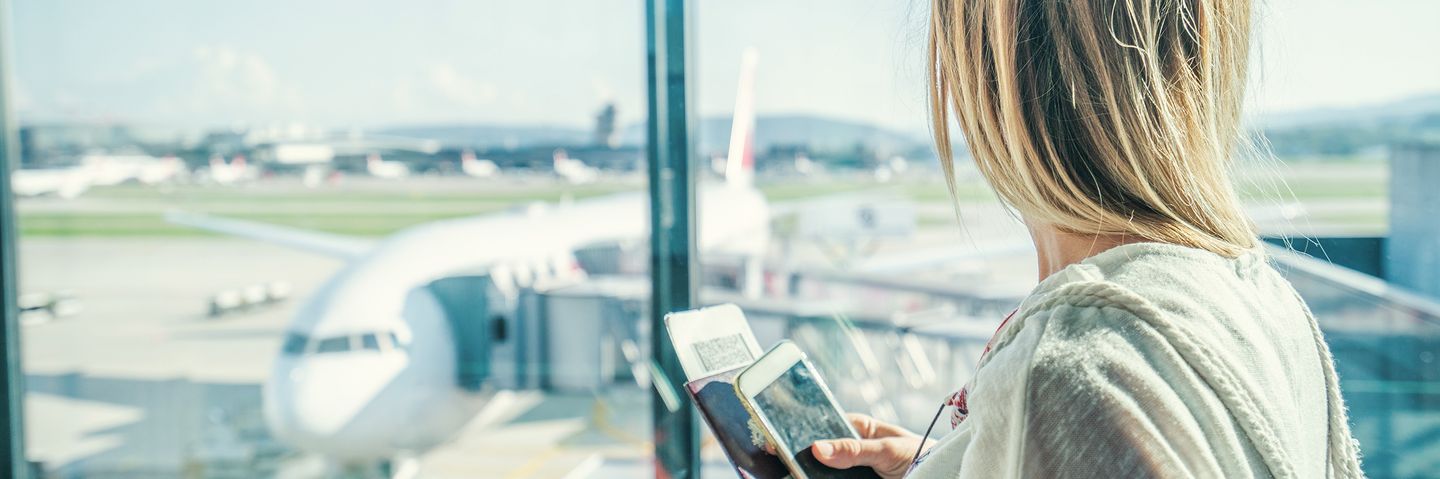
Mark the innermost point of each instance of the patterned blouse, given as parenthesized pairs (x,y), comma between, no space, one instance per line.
(961,408)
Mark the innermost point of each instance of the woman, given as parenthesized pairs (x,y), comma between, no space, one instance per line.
(1159,343)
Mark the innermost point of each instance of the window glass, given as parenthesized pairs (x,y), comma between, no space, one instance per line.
(203,187)
(863,223)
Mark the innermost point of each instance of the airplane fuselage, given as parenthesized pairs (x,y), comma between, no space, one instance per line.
(374,374)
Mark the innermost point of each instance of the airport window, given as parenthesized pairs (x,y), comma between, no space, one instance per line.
(221,182)
(193,198)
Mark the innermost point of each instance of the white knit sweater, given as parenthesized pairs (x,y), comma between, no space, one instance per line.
(1154,360)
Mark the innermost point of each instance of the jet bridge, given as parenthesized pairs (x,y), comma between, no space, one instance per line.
(592,336)
(473,326)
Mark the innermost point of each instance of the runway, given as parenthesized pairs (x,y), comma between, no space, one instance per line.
(141,382)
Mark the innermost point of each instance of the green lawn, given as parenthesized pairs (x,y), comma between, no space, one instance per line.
(130,210)
(1318,189)
(203,194)
(378,211)
(154,224)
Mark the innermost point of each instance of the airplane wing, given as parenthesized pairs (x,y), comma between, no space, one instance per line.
(338,246)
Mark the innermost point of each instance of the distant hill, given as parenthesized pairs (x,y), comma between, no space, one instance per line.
(483,135)
(815,132)
(1348,132)
(1401,111)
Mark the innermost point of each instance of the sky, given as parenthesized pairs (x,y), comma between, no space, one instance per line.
(364,64)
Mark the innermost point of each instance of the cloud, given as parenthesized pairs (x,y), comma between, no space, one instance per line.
(237,84)
(229,74)
(458,89)
(440,91)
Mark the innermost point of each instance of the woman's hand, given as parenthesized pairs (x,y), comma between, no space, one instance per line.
(886,448)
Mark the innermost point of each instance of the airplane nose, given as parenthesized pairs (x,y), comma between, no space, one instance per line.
(311,401)
(278,400)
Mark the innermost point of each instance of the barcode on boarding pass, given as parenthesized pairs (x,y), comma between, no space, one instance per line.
(723,353)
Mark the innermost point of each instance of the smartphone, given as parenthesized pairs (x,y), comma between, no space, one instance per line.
(789,401)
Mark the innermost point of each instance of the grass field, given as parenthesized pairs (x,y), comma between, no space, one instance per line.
(381,208)
(139,211)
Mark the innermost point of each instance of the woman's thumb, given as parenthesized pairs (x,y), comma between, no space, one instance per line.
(846,453)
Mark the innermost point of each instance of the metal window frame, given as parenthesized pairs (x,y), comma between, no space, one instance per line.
(12,389)
(674,272)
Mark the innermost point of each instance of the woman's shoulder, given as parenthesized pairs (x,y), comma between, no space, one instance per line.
(1146,279)
(1180,336)
(1161,292)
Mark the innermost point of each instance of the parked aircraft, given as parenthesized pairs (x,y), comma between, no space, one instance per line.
(573,170)
(95,169)
(477,168)
(380,168)
(67,182)
(222,173)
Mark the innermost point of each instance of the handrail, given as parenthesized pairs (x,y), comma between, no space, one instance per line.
(1360,283)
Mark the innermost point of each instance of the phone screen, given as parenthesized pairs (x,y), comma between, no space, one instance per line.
(800,412)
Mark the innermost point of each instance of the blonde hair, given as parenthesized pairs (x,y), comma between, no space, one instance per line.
(1099,116)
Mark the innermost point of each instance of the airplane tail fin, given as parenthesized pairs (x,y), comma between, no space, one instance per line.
(560,159)
(740,162)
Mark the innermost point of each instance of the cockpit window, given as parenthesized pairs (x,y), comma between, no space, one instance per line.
(369,342)
(295,344)
(337,344)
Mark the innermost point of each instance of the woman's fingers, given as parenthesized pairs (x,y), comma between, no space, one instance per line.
(889,457)
(869,428)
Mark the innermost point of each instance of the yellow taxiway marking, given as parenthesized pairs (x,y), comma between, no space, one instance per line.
(533,465)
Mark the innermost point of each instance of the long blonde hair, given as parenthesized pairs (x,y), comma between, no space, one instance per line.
(1099,116)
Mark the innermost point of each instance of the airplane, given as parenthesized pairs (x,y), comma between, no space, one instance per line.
(573,170)
(159,170)
(380,168)
(477,168)
(107,170)
(224,173)
(67,182)
(367,371)
(94,169)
